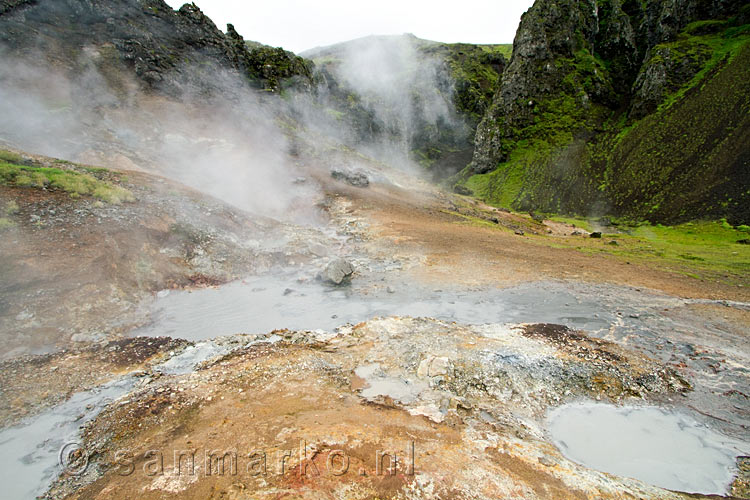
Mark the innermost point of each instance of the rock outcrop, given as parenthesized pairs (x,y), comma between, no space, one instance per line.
(592,82)
(337,271)
(165,48)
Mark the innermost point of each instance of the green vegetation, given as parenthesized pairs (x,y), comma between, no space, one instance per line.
(9,157)
(504,49)
(502,186)
(651,171)
(6,223)
(708,49)
(702,249)
(75,183)
(583,149)
(11,208)
(277,67)
(584,224)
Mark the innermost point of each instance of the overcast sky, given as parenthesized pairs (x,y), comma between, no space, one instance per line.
(299,25)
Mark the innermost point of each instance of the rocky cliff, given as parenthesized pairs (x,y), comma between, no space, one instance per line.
(631,108)
(164,48)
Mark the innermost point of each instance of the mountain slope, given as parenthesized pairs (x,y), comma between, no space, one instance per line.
(162,46)
(641,113)
(424,97)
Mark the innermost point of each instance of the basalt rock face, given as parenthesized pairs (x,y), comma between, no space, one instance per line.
(165,48)
(592,83)
(551,35)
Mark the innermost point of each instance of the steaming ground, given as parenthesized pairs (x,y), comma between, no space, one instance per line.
(237,187)
(481,391)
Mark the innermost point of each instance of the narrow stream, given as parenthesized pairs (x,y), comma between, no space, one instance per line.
(30,452)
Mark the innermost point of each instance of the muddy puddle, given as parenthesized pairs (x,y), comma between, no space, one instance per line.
(260,305)
(660,326)
(668,449)
(30,453)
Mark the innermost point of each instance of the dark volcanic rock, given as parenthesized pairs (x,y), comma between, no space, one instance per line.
(165,48)
(356,178)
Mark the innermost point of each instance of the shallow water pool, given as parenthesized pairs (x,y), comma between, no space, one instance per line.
(660,447)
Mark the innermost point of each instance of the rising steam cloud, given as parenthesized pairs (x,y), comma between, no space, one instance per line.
(226,143)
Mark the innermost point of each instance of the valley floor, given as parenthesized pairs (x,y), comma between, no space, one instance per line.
(472,399)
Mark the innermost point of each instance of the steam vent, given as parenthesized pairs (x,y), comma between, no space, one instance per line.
(504,255)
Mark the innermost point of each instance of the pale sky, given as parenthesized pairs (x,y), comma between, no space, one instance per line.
(298,25)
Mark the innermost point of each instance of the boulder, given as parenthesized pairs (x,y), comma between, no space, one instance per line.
(356,178)
(337,271)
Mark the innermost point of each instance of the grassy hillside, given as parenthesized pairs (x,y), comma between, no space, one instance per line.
(679,149)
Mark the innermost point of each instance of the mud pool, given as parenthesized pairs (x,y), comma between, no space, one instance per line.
(665,448)
(260,305)
(660,447)
(30,452)
(660,326)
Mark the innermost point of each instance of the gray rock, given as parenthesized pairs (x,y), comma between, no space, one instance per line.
(356,178)
(433,367)
(546,461)
(337,271)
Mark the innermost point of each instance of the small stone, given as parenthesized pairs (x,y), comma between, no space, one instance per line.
(596,235)
(337,271)
(439,366)
(546,461)
(424,368)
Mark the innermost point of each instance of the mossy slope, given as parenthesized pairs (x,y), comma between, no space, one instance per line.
(666,142)
(75,180)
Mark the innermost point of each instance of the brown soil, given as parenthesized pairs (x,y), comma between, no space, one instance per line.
(459,252)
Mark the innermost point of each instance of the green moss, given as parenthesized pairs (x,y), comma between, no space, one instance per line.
(335,114)
(504,49)
(651,167)
(11,207)
(702,249)
(10,157)
(475,70)
(576,148)
(276,67)
(74,183)
(720,47)
(503,187)
(6,223)
(584,224)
